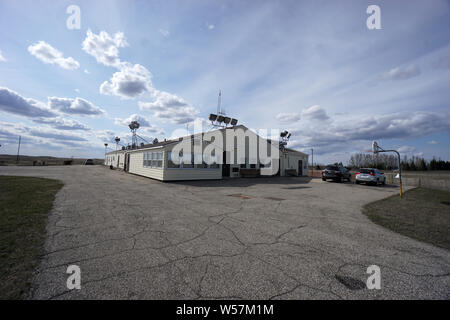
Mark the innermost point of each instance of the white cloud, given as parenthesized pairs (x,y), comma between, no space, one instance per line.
(104,48)
(170,107)
(39,135)
(129,82)
(164,32)
(211,26)
(2,58)
(74,106)
(406,149)
(62,124)
(288,117)
(338,133)
(86,71)
(12,102)
(47,54)
(432,142)
(315,112)
(401,73)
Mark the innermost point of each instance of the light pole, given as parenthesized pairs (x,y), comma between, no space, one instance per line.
(312,161)
(376,148)
(106,146)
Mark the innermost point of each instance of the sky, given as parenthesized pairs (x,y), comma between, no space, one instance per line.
(313,68)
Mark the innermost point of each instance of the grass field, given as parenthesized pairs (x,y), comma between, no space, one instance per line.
(24,206)
(422,214)
(11,160)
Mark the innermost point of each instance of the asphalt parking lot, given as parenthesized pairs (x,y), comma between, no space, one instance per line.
(260,238)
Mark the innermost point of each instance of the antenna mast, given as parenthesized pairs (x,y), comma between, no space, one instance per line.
(219,102)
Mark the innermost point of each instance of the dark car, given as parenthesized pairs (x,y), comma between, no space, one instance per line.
(89,162)
(336,173)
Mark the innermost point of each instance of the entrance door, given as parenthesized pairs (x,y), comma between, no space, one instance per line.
(225,166)
(126,164)
(300,167)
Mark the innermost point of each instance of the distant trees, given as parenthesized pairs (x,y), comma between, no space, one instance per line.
(384,161)
(380,161)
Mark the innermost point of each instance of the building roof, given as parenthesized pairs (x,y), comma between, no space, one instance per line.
(167,142)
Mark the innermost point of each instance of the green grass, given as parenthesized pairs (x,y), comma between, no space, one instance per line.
(422,214)
(24,206)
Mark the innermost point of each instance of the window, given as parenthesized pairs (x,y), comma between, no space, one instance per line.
(159,159)
(145,160)
(170,163)
(188,160)
(199,162)
(153,159)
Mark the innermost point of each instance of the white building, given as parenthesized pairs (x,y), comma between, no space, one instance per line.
(157,161)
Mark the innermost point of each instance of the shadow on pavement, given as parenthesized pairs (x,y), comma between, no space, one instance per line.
(243,182)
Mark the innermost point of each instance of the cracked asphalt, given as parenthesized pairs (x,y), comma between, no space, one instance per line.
(265,238)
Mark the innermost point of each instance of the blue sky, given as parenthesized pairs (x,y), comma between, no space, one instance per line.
(311,67)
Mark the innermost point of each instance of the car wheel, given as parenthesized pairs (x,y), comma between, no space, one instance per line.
(384,181)
(356,181)
(323,179)
(349,179)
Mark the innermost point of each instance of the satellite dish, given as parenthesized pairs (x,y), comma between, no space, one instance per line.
(134,125)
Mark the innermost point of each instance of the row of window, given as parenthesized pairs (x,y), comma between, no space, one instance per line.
(191,161)
(153,159)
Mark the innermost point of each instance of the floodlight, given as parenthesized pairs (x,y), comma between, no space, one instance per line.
(117,139)
(234,122)
(220,118)
(283,134)
(212,117)
(288,136)
(226,120)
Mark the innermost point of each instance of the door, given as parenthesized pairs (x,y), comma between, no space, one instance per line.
(225,166)
(126,164)
(300,168)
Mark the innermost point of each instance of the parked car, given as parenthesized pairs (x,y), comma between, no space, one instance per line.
(370,176)
(89,162)
(336,173)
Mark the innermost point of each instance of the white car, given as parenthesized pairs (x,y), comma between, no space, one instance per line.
(370,176)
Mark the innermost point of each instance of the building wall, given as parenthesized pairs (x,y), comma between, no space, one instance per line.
(290,160)
(112,157)
(137,166)
(169,174)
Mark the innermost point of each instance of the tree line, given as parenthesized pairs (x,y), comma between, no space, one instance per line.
(383,161)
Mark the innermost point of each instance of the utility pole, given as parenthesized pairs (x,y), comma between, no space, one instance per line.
(312,161)
(106,146)
(18,150)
